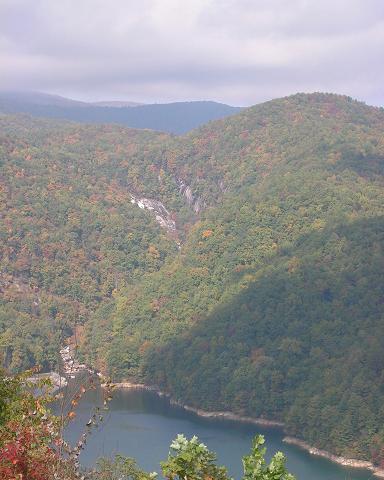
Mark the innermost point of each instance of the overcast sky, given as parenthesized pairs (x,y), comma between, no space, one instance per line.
(240,52)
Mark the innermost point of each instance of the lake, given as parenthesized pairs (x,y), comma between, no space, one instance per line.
(141,424)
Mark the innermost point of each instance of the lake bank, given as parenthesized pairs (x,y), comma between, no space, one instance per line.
(57,381)
(225,415)
(344,461)
(202,413)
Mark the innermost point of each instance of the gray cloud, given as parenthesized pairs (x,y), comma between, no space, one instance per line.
(235,51)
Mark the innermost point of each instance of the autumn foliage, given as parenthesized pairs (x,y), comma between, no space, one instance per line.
(27,456)
(29,433)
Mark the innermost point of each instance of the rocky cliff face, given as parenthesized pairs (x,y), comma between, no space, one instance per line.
(162,215)
(194,201)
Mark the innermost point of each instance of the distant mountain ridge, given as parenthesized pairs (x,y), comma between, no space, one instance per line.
(116,103)
(19,98)
(177,117)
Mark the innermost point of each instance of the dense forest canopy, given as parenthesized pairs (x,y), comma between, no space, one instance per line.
(273,305)
(69,232)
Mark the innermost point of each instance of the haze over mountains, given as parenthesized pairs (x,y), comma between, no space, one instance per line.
(272,306)
(178,117)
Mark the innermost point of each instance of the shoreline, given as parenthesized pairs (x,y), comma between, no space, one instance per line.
(58,382)
(343,461)
(198,411)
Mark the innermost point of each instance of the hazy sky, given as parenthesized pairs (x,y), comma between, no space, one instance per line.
(235,51)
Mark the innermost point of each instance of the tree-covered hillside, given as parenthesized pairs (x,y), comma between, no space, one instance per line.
(69,232)
(273,305)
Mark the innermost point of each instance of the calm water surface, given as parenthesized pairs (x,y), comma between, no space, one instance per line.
(141,424)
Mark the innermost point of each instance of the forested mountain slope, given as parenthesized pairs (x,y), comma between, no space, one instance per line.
(69,232)
(273,305)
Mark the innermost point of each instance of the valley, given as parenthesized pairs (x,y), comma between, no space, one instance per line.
(272,307)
